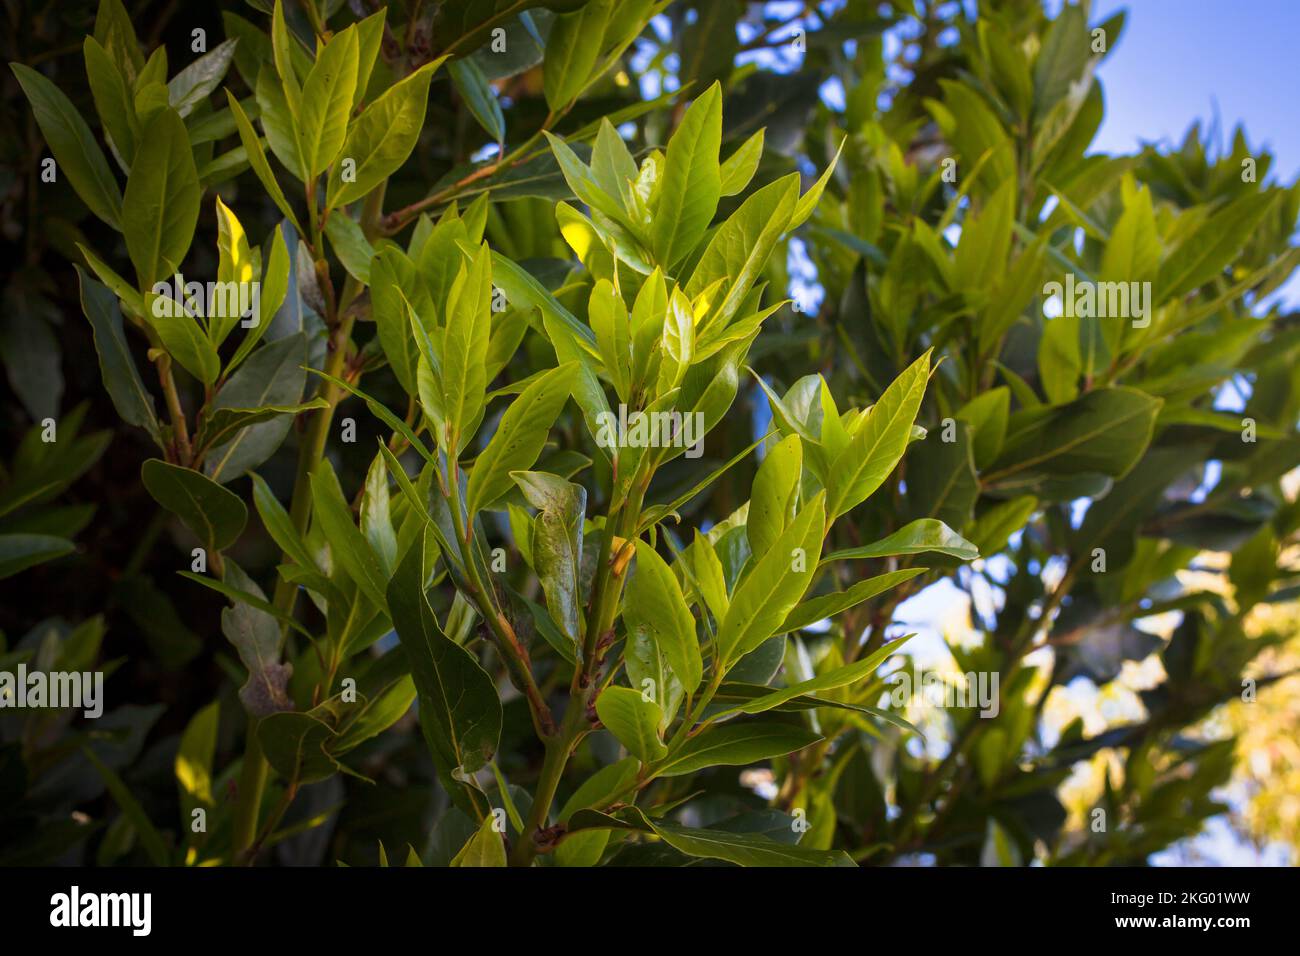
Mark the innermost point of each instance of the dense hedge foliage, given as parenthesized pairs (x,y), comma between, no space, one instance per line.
(505,432)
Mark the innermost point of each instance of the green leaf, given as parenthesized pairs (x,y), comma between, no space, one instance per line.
(556,544)
(608,316)
(350,244)
(193,764)
(73,145)
(774,585)
(376,519)
(235,266)
(839,677)
(194,84)
(809,200)
(1062,61)
(828,605)
(152,841)
(743,849)
(602,787)
(692,183)
(161,206)
(382,137)
(463,354)
(654,606)
(21,551)
(1206,252)
(524,291)
(915,537)
(255,634)
(296,745)
(113,100)
(941,479)
(257,600)
(348,546)
(612,165)
(370,37)
(392,276)
(572,50)
(257,160)
(774,497)
(1105,431)
(277,121)
(116,34)
(634,720)
(739,250)
(735,745)
(479,96)
(739,168)
(327,98)
(519,438)
(282,46)
(133,300)
(122,379)
(987,415)
(991,530)
(219,425)
(878,443)
(279,525)
(485,848)
(985,241)
(215,515)
(582,182)
(271,377)
(275,286)
(183,337)
(460,713)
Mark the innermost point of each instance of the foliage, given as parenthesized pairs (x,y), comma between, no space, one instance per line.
(462,606)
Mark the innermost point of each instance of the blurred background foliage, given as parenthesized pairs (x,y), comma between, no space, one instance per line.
(1142,721)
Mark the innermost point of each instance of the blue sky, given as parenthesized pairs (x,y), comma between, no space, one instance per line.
(1182,60)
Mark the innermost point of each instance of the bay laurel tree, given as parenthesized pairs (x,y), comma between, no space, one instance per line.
(602,560)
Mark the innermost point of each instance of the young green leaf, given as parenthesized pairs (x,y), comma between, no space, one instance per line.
(735,745)
(348,546)
(916,537)
(839,677)
(692,183)
(774,585)
(878,443)
(161,205)
(739,168)
(463,351)
(381,138)
(775,494)
(828,605)
(556,544)
(519,437)
(327,98)
(485,848)
(634,720)
(654,606)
